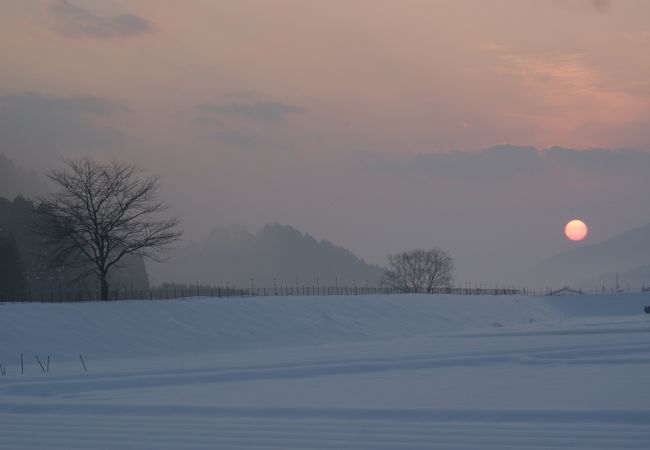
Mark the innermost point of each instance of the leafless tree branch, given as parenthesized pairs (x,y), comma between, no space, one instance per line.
(422,271)
(103,212)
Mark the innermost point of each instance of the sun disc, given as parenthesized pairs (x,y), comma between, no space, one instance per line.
(576,230)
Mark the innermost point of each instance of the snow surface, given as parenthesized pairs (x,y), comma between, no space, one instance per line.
(366,372)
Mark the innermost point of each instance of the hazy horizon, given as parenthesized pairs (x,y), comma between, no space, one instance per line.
(478,127)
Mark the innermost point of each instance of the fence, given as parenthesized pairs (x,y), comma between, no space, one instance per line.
(170,292)
(63,294)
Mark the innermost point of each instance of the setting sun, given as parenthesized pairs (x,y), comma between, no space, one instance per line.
(576,230)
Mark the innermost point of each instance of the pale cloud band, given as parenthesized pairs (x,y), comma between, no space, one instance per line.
(78,21)
(502,163)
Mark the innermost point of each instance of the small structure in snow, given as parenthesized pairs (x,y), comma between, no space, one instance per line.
(566,290)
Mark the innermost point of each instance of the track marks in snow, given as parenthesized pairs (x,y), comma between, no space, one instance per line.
(567,355)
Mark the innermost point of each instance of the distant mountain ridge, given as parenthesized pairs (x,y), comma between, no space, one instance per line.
(595,265)
(276,253)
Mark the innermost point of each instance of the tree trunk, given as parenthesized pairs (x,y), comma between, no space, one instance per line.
(104,287)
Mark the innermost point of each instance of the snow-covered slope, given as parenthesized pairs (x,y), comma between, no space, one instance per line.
(164,328)
(394,372)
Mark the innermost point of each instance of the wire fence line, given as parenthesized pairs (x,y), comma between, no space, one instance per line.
(170,292)
(63,294)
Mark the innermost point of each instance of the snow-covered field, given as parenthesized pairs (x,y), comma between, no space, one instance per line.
(384,372)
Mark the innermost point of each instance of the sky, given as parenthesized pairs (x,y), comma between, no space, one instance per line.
(480,127)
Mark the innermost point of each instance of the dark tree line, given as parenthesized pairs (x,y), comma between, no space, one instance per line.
(25,250)
(12,272)
(24,270)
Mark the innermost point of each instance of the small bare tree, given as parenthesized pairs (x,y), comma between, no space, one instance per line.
(101,213)
(419,271)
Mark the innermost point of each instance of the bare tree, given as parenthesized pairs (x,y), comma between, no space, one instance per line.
(419,271)
(101,213)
